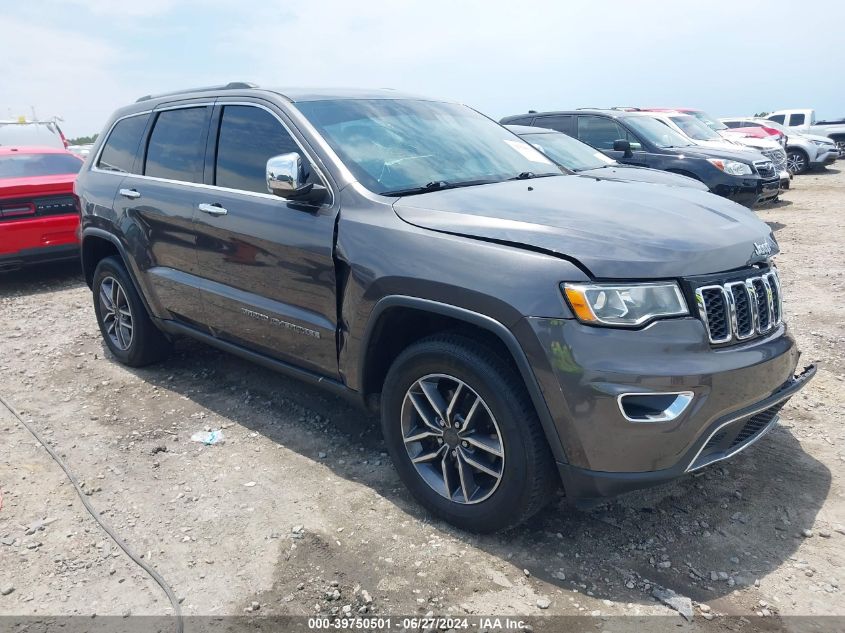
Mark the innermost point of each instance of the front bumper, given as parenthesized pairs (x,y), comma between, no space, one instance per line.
(724,438)
(585,370)
(747,191)
(825,158)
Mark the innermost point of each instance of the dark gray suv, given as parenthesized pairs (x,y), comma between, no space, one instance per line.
(518,328)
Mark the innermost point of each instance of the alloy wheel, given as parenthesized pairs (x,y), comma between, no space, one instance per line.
(116,313)
(452,439)
(796,162)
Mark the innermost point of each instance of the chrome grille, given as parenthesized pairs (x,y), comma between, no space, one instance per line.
(777,156)
(741,309)
(765,168)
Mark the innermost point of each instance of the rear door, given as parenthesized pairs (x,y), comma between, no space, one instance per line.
(161,203)
(269,279)
(601,133)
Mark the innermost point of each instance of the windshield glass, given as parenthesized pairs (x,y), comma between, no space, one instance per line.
(398,144)
(567,151)
(694,128)
(711,122)
(773,124)
(29,165)
(656,132)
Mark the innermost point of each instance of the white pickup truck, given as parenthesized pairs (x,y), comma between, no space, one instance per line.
(804,120)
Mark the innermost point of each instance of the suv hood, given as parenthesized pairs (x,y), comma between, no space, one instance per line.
(613,229)
(743,155)
(816,137)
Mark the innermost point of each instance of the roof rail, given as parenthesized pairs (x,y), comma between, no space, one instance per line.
(627,108)
(232,85)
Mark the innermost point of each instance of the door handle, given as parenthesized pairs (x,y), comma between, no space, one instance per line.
(130,193)
(212,209)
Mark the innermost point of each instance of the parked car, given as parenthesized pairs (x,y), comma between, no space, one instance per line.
(39,214)
(738,136)
(803,151)
(804,121)
(581,159)
(635,138)
(700,133)
(759,129)
(20,132)
(516,327)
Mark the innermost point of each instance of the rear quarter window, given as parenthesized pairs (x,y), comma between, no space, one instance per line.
(122,144)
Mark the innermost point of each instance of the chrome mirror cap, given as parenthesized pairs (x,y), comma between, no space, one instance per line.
(286,175)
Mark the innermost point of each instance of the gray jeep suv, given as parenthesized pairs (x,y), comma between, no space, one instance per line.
(518,328)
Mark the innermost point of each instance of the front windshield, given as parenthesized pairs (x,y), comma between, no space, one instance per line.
(774,124)
(657,133)
(712,122)
(694,128)
(567,151)
(395,145)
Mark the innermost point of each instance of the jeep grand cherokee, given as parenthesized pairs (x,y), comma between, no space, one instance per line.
(518,328)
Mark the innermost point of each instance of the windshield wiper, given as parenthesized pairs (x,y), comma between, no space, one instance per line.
(528,175)
(436,185)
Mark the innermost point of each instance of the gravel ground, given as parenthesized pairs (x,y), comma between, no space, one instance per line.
(299,512)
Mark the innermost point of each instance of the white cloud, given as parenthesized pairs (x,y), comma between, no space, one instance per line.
(60,73)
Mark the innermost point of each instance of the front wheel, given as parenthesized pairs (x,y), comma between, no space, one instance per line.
(464,435)
(797,161)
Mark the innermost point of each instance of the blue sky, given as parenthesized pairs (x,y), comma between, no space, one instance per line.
(81,59)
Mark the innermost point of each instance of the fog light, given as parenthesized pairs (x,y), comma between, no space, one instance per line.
(654,407)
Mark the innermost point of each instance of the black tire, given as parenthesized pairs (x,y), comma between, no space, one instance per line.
(528,476)
(797,161)
(145,343)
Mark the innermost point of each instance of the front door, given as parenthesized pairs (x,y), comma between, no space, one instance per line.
(269,279)
(602,132)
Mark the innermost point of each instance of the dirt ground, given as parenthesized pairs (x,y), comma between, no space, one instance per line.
(299,512)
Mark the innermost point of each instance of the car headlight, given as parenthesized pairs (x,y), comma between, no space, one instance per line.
(824,143)
(732,167)
(624,305)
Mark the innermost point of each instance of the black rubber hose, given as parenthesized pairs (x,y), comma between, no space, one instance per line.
(96,516)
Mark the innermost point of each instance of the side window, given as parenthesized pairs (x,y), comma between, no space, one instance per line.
(600,132)
(176,149)
(248,137)
(732,124)
(559,122)
(122,144)
(797,119)
(778,118)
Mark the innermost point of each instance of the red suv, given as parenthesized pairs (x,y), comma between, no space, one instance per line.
(39,214)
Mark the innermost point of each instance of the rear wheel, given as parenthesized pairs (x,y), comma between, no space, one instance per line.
(797,161)
(464,435)
(127,329)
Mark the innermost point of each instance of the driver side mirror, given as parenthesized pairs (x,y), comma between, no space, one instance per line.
(286,176)
(624,147)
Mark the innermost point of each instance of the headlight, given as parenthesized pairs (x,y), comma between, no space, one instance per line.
(626,305)
(824,143)
(732,167)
